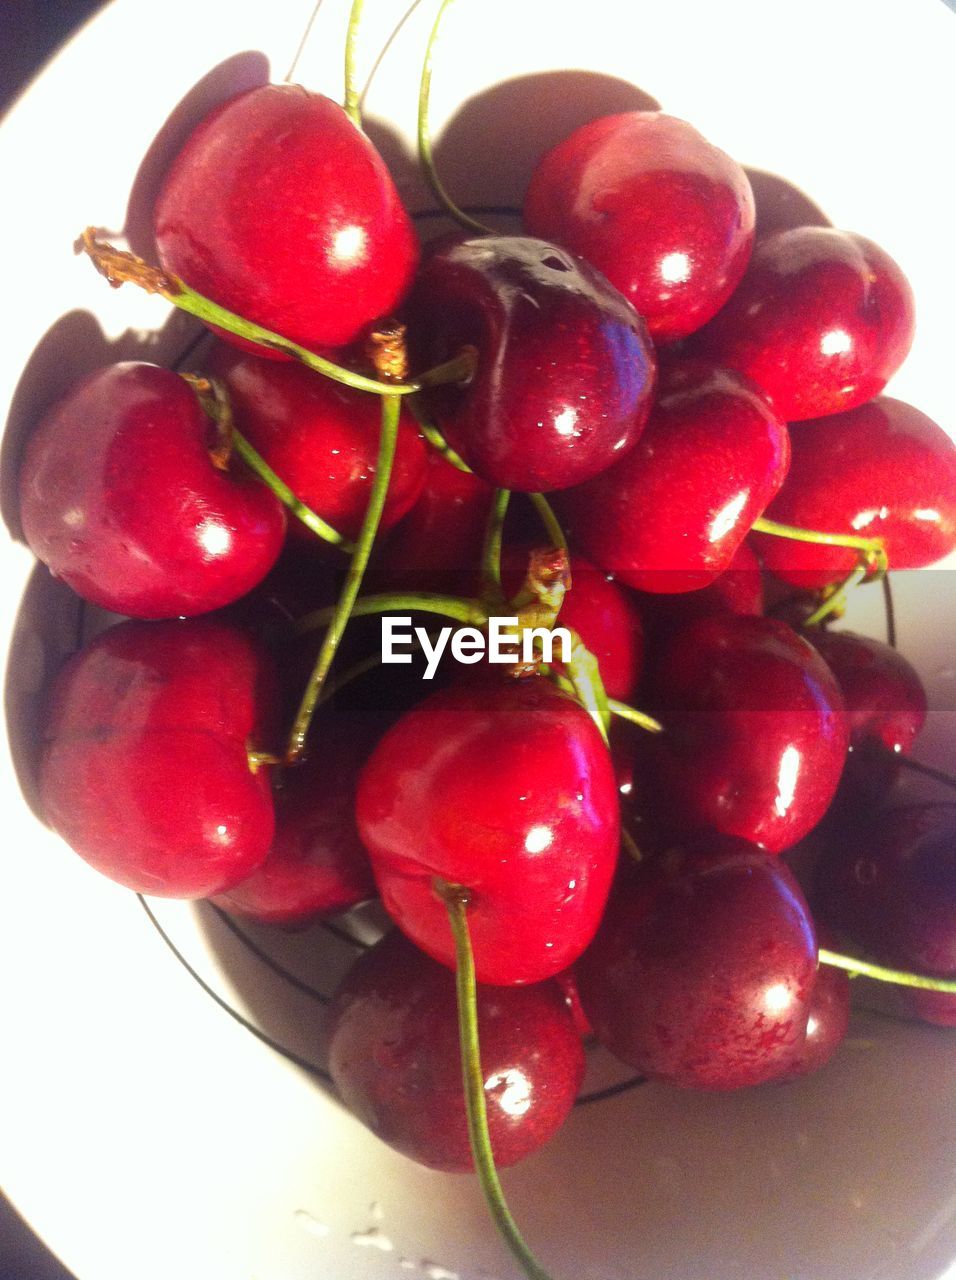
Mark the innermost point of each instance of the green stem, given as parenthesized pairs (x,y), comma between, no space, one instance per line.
(837,598)
(636,717)
(434,436)
(388,435)
(460,368)
(353,106)
(550,521)
(588,685)
(469,612)
(456,902)
(882,974)
(255,462)
(491,549)
(424,135)
(630,845)
(873,548)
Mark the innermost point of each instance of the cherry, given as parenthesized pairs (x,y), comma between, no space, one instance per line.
(568,985)
(321,438)
(281,210)
(671,515)
(828,1019)
(564,372)
(821,320)
(890,887)
(146,770)
(755,731)
(120,498)
(503,787)
(317,864)
(394,1058)
(666,216)
(882,470)
(702,971)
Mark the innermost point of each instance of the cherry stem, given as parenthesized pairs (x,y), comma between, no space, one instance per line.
(926,770)
(873,548)
(640,718)
(456,901)
(460,368)
(470,612)
(353,97)
(491,549)
(588,685)
(255,462)
(424,136)
(549,520)
(630,845)
(388,437)
(836,600)
(882,974)
(434,436)
(121,268)
(890,610)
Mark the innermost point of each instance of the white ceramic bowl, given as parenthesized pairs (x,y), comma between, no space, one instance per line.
(145,1133)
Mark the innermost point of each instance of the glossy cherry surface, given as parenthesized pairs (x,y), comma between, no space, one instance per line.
(666,216)
(120,498)
(890,887)
(884,470)
(145,769)
(322,439)
(317,864)
(280,209)
(821,320)
(505,787)
(671,515)
(395,1060)
(565,367)
(755,731)
(703,969)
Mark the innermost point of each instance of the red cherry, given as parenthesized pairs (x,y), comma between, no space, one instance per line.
(505,788)
(703,969)
(280,209)
(884,470)
(317,864)
(666,216)
(145,769)
(322,439)
(394,1058)
(821,321)
(568,985)
(565,369)
(671,515)
(828,1019)
(755,731)
(120,498)
(890,887)
(780,206)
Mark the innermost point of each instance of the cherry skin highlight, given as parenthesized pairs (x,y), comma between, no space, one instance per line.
(828,1019)
(120,498)
(565,368)
(322,439)
(504,787)
(281,210)
(821,321)
(395,1059)
(702,971)
(317,864)
(672,514)
(884,470)
(756,733)
(666,216)
(145,770)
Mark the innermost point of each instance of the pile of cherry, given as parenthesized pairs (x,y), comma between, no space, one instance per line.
(704,404)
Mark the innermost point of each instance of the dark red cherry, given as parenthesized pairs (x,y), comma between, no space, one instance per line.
(828,1019)
(666,216)
(889,886)
(146,770)
(780,206)
(317,864)
(703,969)
(884,470)
(322,439)
(671,515)
(120,498)
(505,787)
(280,209)
(437,545)
(821,321)
(395,1060)
(755,731)
(565,368)
(568,984)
